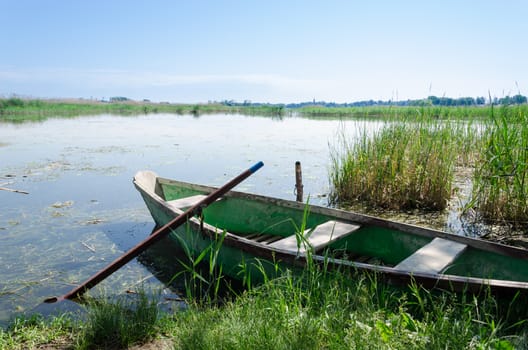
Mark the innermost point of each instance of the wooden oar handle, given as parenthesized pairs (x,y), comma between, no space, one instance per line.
(156,236)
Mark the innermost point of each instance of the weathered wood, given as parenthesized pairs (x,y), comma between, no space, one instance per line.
(432,258)
(321,236)
(298,182)
(186,202)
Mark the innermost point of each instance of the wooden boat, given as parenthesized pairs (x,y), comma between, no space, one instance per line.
(257,233)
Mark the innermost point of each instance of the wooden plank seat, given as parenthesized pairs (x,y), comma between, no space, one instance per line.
(433,257)
(321,236)
(262,238)
(187,202)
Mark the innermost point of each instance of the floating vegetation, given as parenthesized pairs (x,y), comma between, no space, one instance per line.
(94,221)
(111,149)
(62,205)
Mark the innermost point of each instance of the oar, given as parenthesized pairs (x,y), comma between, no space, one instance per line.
(77,292)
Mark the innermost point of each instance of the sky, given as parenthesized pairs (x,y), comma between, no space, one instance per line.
(272,51)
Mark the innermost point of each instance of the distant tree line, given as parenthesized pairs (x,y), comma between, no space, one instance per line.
(429,101)
(119,99)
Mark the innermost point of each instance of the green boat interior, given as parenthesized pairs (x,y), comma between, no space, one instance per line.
(285,228)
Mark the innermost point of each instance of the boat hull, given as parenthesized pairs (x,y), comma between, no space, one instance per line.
(229,226)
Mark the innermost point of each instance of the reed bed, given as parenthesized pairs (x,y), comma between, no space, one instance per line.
(405,165)
(500,182)
(392,112)
(119,322)
(410,163)
(19,110)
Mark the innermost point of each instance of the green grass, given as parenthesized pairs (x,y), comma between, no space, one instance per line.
(34,331)
(410,163)
(343,312)
(405,165)
(500,183)
(19,110)
(396,112)
(319,310)
(314,309)
(119,323)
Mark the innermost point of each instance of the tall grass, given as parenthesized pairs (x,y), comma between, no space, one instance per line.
(316,309)
(119,323)
(405,165)
(19,110)
(204,281)
(345,311)
(391,112)
(500,183)
(341,309)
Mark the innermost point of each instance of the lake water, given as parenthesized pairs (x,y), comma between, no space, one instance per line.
(82,210)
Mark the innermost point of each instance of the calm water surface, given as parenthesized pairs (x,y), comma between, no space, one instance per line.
(82,210)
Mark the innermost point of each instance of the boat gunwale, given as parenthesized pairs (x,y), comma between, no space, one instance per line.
(494,247)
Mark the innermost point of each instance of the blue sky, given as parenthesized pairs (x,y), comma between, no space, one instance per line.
(263,51)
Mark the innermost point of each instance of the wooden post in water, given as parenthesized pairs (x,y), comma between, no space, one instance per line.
(298,182)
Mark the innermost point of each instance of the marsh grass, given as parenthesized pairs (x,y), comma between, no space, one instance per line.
(397,112)
(119,322)
(500,183)
(33,331)
(410,164)
(204,281)
(405,165)
(18,110)
(316,309)
(344,311)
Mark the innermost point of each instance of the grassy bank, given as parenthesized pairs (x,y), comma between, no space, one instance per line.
(397,112)
(500,183)
(316,311)
(19,110)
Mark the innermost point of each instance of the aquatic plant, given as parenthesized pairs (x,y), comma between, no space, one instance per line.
(500,182)
(405,165)
(19,110)
(119,322)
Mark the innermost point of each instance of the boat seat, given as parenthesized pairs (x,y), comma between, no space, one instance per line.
(186,202)
(433,257)
(321,236)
